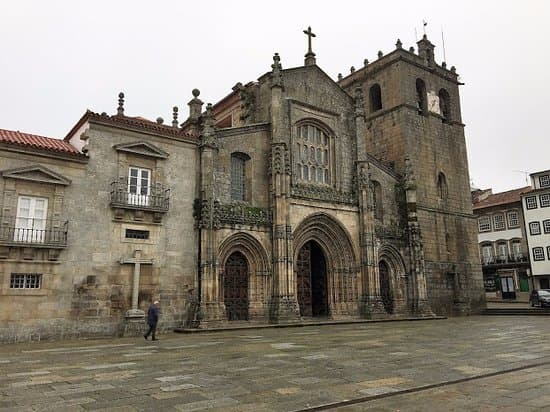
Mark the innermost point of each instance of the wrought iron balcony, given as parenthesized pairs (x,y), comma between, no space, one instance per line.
(155,198)
(28,232)
(504,259)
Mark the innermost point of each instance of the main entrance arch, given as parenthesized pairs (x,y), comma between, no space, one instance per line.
(311,280)
(333,267)
(235,287)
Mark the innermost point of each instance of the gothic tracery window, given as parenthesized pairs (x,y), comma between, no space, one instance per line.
(313,154)
(238,176)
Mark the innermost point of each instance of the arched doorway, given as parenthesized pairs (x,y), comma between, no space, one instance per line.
(311,280)
(235,287)
(385,286)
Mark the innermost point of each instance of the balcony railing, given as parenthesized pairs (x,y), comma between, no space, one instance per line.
(504,259)
(155,197)
(33,232)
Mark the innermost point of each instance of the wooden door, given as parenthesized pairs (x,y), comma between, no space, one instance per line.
(385,286)
(235,287)
(303,280)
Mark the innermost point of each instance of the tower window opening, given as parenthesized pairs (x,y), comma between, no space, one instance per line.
(445,105)
(421,98)
(375,95)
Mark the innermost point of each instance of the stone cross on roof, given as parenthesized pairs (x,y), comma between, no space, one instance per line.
(310,56)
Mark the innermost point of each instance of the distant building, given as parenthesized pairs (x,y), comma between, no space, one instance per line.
(536,209)
(502,243)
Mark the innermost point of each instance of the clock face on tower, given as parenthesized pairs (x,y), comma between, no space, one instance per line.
(433,103)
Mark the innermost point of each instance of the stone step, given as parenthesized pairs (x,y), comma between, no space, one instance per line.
(246,325)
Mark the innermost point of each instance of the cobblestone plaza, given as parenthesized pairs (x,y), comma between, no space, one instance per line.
(468,363)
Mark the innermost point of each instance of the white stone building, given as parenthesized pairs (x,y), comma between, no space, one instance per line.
(536,209)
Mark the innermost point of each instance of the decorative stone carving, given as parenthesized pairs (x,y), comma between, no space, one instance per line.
(278,157)
(244,215)
(410,179)
(359,105)
(364,177)
(208,132)
(279,232)
(327,194)
(392,231)
(289,235)
(210,214)
(276,75)
(248,103)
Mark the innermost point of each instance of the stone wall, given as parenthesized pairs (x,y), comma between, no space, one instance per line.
(87,291)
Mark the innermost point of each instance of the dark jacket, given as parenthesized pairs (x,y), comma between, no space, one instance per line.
(153,314)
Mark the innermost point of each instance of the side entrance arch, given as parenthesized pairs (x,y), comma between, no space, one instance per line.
(235,287)
(385,286)
(311,280)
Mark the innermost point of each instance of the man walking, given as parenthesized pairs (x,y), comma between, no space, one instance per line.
(152,320)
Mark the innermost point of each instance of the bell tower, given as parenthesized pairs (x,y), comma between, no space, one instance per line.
(412,111)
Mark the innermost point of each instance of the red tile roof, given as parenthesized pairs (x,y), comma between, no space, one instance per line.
(38,142)
(502,198)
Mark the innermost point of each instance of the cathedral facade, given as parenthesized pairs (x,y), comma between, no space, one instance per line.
(294,197)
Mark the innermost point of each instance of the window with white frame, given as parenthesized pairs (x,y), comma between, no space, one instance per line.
(25,281)
(545,200)
(534,228)
(502,251)
(546,225)
(313,154)
(531,202)
(30,222)
(516,249)
(484,224)
(487,253)
(139,186)
(498,222)
(544,181)
(513,219)
(538,253)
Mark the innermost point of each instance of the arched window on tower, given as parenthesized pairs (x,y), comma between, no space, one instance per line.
(421,98)
(377,199)
(445,105)
(238,176)
(375,98)
(442,190)
(313,154)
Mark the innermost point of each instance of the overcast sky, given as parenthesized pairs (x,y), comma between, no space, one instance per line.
(59,58)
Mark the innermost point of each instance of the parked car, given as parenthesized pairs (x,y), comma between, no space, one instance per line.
(540,297)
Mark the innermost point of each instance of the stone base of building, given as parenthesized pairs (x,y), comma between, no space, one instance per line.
(134,323)
(284,309)
(372,307)
(423,308)
(461,308)
(211,314)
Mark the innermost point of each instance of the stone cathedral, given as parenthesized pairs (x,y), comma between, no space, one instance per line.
(294,197)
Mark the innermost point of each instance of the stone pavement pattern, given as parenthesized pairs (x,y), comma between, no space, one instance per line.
(287,369)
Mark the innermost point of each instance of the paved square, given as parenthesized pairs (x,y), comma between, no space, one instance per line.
(452,364)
